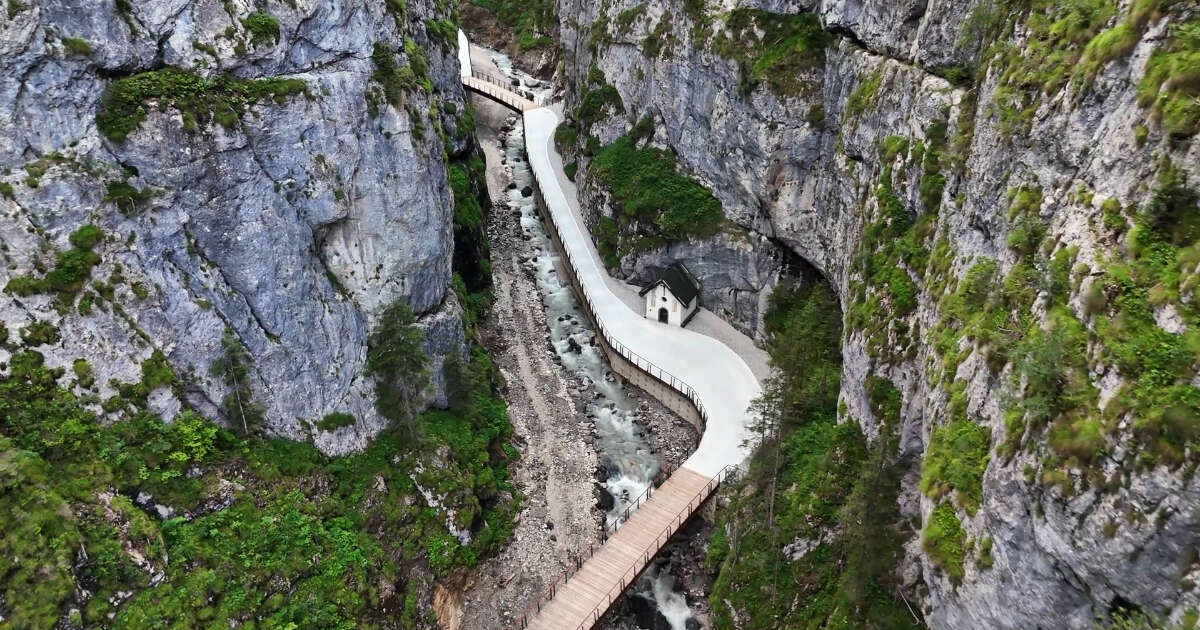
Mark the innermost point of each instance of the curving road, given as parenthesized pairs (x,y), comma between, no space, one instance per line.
(722,380)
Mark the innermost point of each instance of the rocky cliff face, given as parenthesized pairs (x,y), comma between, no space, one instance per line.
(921,153)
(286,184)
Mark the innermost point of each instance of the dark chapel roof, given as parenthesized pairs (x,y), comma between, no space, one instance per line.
(679,282)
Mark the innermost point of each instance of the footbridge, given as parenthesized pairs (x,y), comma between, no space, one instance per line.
(696,375)
(494,87)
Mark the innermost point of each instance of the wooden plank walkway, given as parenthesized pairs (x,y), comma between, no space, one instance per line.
(579,601)
(494,88)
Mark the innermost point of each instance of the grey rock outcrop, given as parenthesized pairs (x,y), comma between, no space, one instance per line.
(732,268)
(293,227)
(800,173)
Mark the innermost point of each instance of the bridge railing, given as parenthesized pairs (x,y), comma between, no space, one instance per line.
(660,541)
(505,84)
(632,506)
(631,574)
(492,78)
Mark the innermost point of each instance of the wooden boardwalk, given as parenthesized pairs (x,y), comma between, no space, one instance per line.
(495,89)
(578,601)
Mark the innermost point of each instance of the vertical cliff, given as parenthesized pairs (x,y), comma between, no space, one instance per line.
(271,174)
(1003,198)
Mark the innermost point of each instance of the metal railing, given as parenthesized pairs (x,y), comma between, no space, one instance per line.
(506,83)
(627,578)
(507,91)
(491,78)
(636,359)
(632,506)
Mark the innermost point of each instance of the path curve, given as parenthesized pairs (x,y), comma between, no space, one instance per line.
(722,381)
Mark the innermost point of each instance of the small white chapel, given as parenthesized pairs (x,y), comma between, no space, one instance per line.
(674,298)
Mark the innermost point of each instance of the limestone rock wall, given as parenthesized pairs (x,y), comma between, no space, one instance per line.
(293,227)
(800,174)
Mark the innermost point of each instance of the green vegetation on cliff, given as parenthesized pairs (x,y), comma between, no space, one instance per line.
(812,535)
(1127,298)
(1172,81)
(1072,42)
(264,533)
(223,98)
(773,47)
(72,269)
(944,541)
(655,203)
(597,99)
(394,78)
(956,460)
(893,254)
(263,27)
(533,21)
(472,257)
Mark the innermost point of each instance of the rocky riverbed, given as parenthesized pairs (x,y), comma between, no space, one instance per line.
(588,443)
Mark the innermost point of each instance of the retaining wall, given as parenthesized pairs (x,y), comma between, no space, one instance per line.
(632,369)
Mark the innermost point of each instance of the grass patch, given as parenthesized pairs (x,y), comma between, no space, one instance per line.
(652,198)
(1041,67)
(776,48)
(87,236)
(956,459)
(933,181)
(335,420)
(944,540)
(864,93)
(263,28)
(1171,85)
(223,98)
(128,198)
(71,271)
(76,46)
(598,99)
(40,333)
(444,32)
(394,79)
(1110,45)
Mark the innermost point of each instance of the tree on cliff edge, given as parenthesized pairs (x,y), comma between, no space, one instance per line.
(396,358)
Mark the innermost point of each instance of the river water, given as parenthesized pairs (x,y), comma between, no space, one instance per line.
(629,465)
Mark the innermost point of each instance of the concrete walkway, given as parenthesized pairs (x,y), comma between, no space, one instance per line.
(705,322)
(723,381)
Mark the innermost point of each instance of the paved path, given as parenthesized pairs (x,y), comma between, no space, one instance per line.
(724,383)
(705,322)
